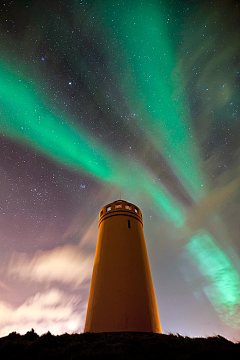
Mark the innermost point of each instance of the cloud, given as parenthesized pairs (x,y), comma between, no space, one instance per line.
(52,310)
(67,264)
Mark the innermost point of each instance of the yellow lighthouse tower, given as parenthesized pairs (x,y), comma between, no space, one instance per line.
(121,294)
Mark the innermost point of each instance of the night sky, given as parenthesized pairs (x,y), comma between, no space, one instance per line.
(107,99)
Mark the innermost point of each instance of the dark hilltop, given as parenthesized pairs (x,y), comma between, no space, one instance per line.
(115,346)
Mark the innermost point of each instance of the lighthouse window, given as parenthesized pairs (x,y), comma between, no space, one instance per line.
(136,210)
(108,208)
(101,213)
(118,206)
(129,224)
(128,207)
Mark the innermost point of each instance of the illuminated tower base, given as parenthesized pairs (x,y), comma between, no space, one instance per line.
(121,294)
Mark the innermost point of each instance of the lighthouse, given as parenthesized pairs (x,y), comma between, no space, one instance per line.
(121,297)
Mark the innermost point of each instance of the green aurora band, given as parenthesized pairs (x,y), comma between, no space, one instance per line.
(154,85)
(26,119)
(143,33)
(224,290)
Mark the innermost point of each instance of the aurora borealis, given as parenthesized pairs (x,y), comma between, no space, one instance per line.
(102,99)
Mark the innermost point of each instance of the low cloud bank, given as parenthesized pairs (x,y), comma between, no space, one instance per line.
(52,310)
(68,265)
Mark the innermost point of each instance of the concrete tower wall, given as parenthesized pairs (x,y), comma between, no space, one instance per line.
(121,294)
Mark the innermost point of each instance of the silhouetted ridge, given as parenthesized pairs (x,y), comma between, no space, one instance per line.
(115,346)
